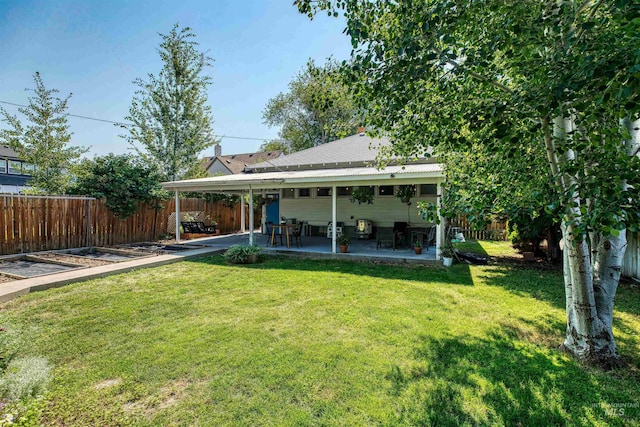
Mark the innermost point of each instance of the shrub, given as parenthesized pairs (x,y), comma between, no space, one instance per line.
(239,254)
(25,377)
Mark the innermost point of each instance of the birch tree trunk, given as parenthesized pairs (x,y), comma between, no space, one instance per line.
(591,276)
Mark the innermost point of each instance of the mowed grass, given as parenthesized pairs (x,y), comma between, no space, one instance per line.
(299,342)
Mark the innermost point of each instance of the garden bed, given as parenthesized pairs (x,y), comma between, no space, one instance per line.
(74,259)
(160,248)
(28,266)
(106,254)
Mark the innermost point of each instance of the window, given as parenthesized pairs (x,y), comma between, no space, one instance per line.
(385,190)
(428,189)
(3,166)
(304,192)
(345,191)
(15,167)
(288,193)
(323,192)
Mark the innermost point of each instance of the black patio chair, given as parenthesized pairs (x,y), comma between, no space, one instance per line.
(297,234)
(385,236)
(400,232)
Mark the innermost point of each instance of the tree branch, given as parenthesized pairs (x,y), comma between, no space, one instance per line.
(480,77)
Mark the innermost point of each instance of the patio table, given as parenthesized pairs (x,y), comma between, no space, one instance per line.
(283,228)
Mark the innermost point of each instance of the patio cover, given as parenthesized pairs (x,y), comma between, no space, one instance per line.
(250,182)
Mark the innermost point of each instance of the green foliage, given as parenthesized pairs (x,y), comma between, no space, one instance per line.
(362,195)
(318,108)
(275,145)
(429,212)
(7,348)
(446,251)
(406,192)
(25,377)
(170,119)
(43,142)
(489,77)
(123,181)
(239,254)
(23,382)
(344,239)
(25,413)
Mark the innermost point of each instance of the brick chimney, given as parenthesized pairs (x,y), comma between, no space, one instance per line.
(218,150)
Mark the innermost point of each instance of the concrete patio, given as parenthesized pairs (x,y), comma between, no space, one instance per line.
(320,247)
(313,247)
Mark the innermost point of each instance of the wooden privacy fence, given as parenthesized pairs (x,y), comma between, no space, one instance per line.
(631,260)
(36,223)
(496,230)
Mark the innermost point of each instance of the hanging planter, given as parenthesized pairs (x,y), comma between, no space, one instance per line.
(362,195)
(405,193)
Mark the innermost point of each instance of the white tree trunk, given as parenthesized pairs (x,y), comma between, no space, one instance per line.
(589,287)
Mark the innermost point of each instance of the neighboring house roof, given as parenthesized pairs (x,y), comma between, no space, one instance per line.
(8,153)
(359,149)
(236,163)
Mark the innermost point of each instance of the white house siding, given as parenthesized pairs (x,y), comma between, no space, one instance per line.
(382,213)
(631,261)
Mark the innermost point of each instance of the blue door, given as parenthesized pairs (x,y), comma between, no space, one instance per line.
(273,209)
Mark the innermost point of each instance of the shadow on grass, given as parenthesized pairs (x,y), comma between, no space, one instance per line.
(457,275)
(472,246)
(501,380)
(548,286)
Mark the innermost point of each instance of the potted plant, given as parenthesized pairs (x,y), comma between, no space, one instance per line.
(362,195)
(242,254)
(344,241)
(417,247)
(447,255)
(405,193)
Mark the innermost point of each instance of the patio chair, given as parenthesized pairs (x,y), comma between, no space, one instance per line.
(297,234)
(400,232)
(385,236)
(431,237)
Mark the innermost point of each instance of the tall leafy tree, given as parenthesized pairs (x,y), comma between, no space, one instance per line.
(318,108)
(453,73)
(121,180)
(274,145)
(170,121)
(44,140)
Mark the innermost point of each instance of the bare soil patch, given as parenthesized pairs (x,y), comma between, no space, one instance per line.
(4,278)
(74,260)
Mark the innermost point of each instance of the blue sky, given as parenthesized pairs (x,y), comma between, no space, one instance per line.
(95,49)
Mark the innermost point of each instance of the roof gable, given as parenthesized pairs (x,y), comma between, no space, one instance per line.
(359,149)
(236,163)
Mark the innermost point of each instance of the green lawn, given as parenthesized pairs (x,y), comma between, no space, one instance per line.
(291,342)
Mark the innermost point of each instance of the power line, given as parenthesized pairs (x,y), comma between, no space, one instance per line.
(125,124)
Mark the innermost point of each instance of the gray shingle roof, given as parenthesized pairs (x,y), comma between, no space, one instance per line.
(356,149)
(7,152)
(237,162)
